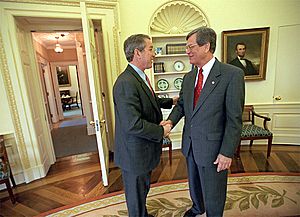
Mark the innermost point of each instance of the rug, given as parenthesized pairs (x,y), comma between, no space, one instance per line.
(73,140)
(73,122)
(247,195)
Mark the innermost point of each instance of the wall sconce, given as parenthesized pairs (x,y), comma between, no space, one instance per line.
(58,48)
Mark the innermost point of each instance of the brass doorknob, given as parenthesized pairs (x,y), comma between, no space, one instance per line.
(277,98)
(102,121)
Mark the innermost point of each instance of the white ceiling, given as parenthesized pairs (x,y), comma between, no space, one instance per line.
(46,29)
(48,40)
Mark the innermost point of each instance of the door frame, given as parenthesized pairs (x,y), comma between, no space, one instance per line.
(13,74)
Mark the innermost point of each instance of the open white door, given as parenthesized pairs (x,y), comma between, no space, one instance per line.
(95,89)
(36,112)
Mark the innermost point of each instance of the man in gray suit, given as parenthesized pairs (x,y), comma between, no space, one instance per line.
(138,135)
(213,122)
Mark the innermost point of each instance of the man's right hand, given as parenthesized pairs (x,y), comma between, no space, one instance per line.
(167,129)
(162,123)
(167,125)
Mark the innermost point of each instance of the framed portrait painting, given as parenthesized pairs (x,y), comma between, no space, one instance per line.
(248,50)
(63,76)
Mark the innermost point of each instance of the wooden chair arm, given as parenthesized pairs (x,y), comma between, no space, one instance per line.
(263,117)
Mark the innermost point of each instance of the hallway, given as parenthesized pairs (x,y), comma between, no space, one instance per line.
(70,135)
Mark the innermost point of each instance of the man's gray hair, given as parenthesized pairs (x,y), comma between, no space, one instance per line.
(205,35)
(133,42)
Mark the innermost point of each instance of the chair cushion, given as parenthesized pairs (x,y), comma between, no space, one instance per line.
(250,130)
(4,170)
(166,141)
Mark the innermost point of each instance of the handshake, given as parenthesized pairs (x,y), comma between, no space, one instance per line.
(167,125)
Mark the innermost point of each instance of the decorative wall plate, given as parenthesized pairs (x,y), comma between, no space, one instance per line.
(162,84)
(177,83)
(178,66)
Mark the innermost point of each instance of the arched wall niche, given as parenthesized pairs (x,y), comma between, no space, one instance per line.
(177,17)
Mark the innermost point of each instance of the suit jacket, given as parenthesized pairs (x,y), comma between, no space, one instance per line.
(138,136)
(248,70)
(214,126)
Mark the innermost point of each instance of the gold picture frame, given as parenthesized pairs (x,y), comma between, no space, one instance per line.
(255,44)
(63,76)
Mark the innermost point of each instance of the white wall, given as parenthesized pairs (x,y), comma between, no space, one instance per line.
(225,15)
(74,82)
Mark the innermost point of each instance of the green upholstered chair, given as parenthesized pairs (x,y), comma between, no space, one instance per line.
(5,171)
(167,143)
(251,131)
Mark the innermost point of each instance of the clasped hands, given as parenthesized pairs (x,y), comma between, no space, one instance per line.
(167,125)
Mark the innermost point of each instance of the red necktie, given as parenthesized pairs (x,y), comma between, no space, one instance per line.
(148,81)
(198,87)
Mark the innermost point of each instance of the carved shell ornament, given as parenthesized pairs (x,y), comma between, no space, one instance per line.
(177,17)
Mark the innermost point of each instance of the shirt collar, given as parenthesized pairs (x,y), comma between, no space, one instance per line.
(140,72)
(207,67)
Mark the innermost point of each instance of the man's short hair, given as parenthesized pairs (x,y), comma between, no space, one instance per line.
(205,35)
(240,43)
(133,42)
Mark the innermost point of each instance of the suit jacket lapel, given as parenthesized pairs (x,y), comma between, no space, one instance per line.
(210,84)
(144,86)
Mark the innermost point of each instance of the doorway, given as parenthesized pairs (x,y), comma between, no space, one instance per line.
(69,129)
(32,133)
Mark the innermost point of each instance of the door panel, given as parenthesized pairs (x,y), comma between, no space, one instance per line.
(95,90)
(286,88)
(40,130)
(103,81)
(45,93)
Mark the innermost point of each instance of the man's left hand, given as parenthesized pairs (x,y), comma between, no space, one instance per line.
(175,99)
(223,162)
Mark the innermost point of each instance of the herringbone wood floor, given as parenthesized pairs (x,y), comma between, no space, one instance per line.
(78,177)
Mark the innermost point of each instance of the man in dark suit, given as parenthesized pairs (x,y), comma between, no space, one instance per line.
(241,62)
(213,122)
(138,135)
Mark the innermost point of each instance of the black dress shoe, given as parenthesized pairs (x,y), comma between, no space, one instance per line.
(190,213)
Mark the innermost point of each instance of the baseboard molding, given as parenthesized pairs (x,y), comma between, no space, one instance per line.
(19,179)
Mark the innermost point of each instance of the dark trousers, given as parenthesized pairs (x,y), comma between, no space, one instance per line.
(136,190)
(207,187)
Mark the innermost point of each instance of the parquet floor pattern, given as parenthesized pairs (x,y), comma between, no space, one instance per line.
(75,178)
